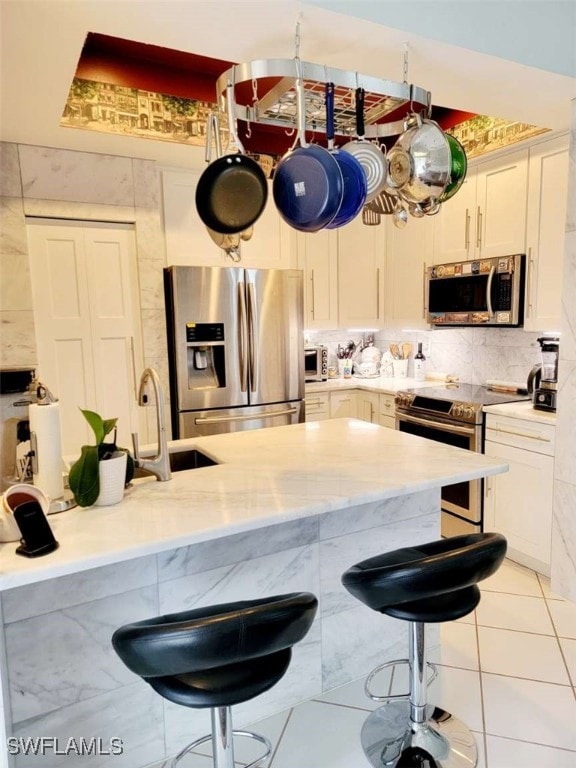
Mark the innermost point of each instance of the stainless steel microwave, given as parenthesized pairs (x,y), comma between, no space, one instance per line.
(487,292)
(315,362)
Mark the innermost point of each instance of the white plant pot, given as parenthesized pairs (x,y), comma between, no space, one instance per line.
(112,473)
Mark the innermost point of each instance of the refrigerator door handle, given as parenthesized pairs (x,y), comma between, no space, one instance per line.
(242,337)
(265,415)
(252,340)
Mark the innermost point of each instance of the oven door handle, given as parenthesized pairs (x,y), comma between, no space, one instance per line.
(437,424)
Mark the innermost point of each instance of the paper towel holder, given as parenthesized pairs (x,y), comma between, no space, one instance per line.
(66,501)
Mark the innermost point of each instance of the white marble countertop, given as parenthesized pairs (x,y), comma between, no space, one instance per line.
(522,410)
(266,476)
(378,384)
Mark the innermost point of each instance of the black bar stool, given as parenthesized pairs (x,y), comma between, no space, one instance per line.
(218,656)
(431,582)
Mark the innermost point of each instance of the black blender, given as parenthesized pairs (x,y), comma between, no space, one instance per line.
(543,378)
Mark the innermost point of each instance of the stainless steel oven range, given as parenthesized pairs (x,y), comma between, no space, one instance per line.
(452,414)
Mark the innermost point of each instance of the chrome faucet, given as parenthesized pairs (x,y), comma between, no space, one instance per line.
(160,464)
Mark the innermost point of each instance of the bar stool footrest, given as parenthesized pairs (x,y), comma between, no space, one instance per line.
(258,763)
(396,696)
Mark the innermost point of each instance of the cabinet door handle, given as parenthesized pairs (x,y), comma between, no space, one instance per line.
(488,486)
(312,308)
(424,307)
(520,434)
(479,228)
(529,282)
(467,230)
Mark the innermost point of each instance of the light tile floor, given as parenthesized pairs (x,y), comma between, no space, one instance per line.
(508,671)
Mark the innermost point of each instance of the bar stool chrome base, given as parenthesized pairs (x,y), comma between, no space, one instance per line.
(390,739)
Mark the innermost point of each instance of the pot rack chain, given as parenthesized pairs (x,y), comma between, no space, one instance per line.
(277,105)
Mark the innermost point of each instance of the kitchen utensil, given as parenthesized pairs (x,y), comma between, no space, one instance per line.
(353,176)
(394,351)
(420,161)
(370,217)
(400,215)
(371,157)
(384,203)
(406,350)
(458,168)
(232,191)
(308,186)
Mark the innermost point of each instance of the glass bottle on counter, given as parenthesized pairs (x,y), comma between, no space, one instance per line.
(419,364)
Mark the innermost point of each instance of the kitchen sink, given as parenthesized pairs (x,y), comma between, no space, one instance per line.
(181,460)
(191,459)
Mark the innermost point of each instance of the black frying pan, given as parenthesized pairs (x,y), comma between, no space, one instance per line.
(232,192)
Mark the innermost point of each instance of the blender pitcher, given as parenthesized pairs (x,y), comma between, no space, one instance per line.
(543,379)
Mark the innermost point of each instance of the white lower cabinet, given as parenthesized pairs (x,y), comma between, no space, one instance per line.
(317,406)
(375,407)
(386,410)
(368,406)
(343,404)
(518,503)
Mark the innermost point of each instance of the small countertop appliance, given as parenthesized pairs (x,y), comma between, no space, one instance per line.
(543,378)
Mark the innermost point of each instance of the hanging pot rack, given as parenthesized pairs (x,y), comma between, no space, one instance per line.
(270,98)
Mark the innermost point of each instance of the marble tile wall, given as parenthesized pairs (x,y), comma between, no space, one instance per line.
(38,181)
(65,679)
(473,354)
(564,511)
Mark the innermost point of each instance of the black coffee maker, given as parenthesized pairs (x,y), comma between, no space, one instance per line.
(543,378)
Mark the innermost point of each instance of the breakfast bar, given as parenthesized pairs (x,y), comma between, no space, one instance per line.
(283,509)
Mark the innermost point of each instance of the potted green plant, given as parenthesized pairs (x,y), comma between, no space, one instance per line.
(88,476)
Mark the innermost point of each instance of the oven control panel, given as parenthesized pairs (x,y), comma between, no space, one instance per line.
(425,406)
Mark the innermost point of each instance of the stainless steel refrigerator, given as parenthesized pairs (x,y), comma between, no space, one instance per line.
(235,348)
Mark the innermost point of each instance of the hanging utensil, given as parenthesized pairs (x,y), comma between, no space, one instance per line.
(308,186)
(384,203)
(354,178)
(370,217)
(400,215)
(370,156)
(232,191)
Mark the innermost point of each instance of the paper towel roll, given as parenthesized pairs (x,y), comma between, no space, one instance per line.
(45,423)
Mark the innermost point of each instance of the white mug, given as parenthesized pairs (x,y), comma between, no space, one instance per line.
(15,495)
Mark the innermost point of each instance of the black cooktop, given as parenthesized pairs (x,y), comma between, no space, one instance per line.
(467,393)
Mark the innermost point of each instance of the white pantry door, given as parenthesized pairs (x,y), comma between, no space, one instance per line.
(87,319)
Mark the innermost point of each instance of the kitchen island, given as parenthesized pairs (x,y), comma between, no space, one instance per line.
(285,509)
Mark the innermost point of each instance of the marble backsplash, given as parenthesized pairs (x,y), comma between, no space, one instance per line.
(472,354)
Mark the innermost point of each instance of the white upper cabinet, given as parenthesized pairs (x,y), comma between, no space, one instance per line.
(487,216)
(317,256)
(546,225)
(409,252)
(501,193)
(361,275)
(452,235)
(344,276)
(188,243)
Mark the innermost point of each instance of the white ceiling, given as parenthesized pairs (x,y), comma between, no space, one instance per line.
(41,41)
